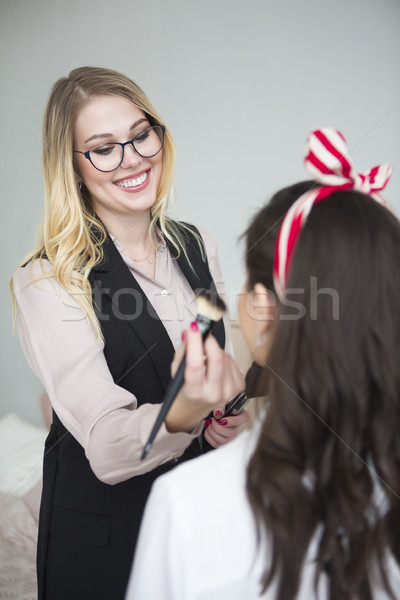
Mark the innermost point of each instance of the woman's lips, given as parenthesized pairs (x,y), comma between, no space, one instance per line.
(134,184)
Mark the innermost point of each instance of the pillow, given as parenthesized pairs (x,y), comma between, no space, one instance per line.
(21,455)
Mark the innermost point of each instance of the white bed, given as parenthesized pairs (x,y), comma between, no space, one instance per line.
(21,456)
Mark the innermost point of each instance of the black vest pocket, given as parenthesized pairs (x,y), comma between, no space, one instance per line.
(80,528)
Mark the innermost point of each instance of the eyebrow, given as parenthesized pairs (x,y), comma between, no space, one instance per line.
(97,136)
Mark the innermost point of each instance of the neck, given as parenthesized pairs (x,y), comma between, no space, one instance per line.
(131,230)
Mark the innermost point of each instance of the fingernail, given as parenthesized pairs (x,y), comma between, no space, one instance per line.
(207,423)
(218,413)
(183,336)
(194,326)
(223,422)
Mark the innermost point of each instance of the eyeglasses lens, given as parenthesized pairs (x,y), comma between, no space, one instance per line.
(147,143)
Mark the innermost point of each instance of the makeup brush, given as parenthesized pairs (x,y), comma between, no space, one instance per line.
(210,309)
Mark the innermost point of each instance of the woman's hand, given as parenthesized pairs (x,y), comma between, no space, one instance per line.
(212,378)
(219,432)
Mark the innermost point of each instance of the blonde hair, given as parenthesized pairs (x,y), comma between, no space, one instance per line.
(71,236)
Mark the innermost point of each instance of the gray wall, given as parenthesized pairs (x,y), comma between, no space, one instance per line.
(240,84)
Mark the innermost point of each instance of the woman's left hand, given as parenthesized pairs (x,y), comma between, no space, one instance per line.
(217,433)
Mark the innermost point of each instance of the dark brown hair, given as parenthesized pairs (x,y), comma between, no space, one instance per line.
(262,232)
(331,434)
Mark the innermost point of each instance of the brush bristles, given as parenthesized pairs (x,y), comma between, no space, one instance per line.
(210,305)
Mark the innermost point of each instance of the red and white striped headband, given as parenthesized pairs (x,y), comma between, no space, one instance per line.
(327,160)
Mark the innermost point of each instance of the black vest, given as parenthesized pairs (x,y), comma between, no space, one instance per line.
(88,529)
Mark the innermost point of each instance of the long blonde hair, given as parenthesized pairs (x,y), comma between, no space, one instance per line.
(66,237)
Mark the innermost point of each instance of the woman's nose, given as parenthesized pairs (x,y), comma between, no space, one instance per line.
(131,157)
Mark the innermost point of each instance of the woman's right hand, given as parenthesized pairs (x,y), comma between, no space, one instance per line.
(212,378)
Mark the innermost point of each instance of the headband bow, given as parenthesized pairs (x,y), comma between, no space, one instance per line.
(327,160)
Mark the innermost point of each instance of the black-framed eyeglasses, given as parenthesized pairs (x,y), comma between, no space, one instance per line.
(108,157)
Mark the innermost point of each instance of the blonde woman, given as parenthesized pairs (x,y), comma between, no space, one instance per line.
(100,306)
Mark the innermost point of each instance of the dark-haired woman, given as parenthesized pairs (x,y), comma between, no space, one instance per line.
(307,504)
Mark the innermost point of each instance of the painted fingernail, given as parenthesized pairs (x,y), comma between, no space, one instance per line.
(223,422)
(218,413)
(207,423)
(183,336)
(194,326)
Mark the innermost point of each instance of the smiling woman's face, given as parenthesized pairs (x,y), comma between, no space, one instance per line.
(133,186)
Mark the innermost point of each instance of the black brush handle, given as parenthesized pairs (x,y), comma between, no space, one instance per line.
(236,405)
(171,393)
(173,388)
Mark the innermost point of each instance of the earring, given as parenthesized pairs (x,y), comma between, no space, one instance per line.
(261,340)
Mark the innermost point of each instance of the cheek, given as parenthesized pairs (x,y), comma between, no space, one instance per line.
(246,322)
(90,176)
(157,168)
(82,168)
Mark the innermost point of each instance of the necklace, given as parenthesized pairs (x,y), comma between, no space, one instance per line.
(148,259)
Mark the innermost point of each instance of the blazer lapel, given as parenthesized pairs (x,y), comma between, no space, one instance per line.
(198,276)
(114,279)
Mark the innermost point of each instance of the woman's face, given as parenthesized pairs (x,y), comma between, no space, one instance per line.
(133,186)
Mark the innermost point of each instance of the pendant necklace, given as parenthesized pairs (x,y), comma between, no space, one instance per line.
(147,259)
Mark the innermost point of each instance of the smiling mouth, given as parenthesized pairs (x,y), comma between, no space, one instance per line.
(131,183)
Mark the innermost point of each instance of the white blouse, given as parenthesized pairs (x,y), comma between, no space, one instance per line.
(63,351)
(198,537)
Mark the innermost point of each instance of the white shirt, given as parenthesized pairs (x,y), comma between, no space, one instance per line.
(63,351)
(198,538)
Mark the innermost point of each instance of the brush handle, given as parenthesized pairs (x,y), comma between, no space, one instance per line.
(236,405)
(174,386)
(171,393)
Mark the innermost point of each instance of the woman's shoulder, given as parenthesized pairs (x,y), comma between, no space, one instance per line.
(208,238)
(39,295)
(33,269)
(34,275)
(223,468)
(186,229)
(208,495)
(205,237)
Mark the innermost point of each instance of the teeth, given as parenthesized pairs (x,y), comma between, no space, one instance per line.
(132,182)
